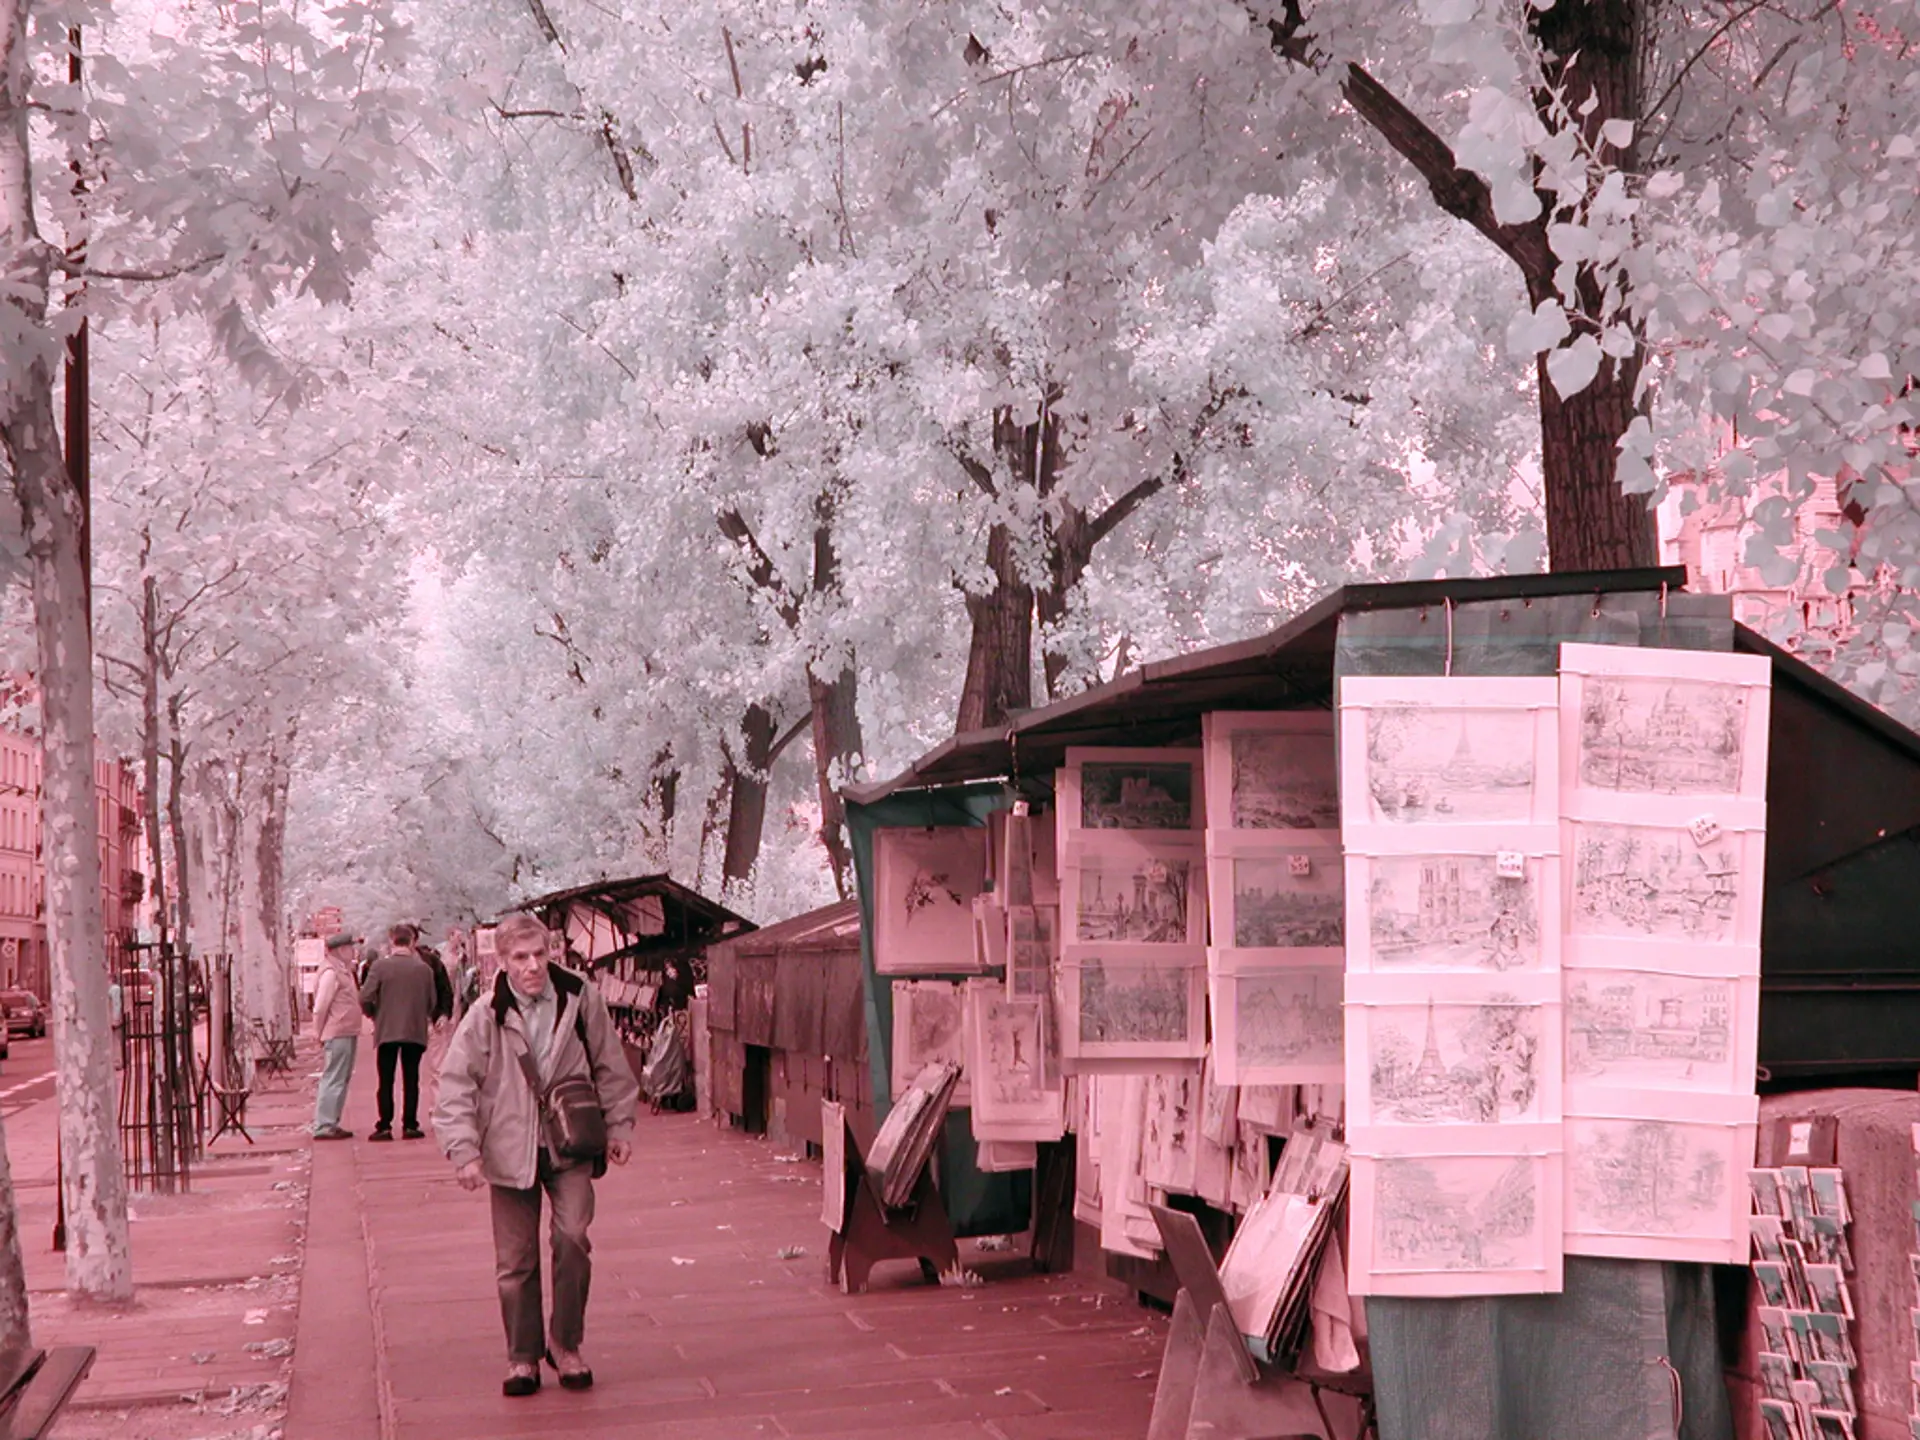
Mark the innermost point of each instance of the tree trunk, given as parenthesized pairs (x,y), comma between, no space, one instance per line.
(99,1266)
(16,1332)
(1591,50)
(1000,649)
(266,853)
(177,824)
(836,743)
(747,800)
(1073,542)
(150,753)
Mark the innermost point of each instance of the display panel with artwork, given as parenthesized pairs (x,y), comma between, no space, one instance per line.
(1454,910)
(1133,1002)
(1145,893)
(1662,1178)
(1479,1219)
(1271,770)
(1453,1050)
(925,882)
(1277,1026)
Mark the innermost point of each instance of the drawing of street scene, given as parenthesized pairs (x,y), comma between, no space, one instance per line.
(1449,766)
(1283,781)
(1668,737)
(1454,1064)
(1273,907)
(1636,1026)
(1137,898)
(1648,1177)
(1454,912)
(1457,1212)
(1289,1017)
(1133,1004)
(1635,880)
(1136,795)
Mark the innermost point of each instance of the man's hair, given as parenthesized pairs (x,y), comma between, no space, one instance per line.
(518,926)
(402,934)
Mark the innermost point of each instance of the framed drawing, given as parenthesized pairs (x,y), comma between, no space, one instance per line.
(1286,905)
(1418,751)
(1271,770)
(1446,909)
(929,1024)
(1141,789)
(1660,1029)
(1136,892)
(1277,1026)
(925,882)
(1658,891)
(1170,1134)
(1481,1218)
(1684,724)
(1016,1094)
(1133,1002)
(1444,1050)
(1657,1175)
(1033,941)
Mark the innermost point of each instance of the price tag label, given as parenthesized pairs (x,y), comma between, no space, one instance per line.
(1510,865)
(1704,829)
(1299,865)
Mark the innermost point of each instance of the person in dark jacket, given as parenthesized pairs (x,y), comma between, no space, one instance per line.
(402,996)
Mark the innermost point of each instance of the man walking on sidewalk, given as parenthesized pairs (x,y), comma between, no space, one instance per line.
(542,1026)
(400,994)
(336,1025)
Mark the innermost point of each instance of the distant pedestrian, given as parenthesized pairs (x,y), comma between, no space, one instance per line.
(542,1026)
(336,1025)
(400,994)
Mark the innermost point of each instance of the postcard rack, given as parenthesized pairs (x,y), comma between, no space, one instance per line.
(1212,1388)
(870,1232)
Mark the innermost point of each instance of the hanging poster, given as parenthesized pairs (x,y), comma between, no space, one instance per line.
(1462,1211)
(1274,901)
(1271,771)
(929,1025)
(1661,1175)
(1141,892)
(1141,790)
(1664,1029)
(1454,908)
(1133,1002)
(925,882)
(1015,1095)
(1276,1025)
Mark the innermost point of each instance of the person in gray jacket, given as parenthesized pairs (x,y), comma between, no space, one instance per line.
(487,1118)
(401,995)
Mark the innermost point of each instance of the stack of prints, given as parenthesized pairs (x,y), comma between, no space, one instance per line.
(1664,766)
(1800,1267)
(1276,967)
(1269,1268)
(909,1133)
(1450,804)
(1132,981)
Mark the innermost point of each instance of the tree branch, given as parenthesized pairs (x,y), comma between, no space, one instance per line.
(976,472)
(1455,189)
(760,567)
(800,727)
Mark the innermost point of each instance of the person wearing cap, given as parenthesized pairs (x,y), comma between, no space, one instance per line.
(336,1025)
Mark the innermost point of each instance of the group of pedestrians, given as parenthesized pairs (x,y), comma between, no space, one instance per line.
(535,1098)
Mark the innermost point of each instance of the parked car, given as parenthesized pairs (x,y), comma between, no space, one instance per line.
(24,1013)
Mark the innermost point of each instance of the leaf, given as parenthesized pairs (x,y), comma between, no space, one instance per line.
(1617,133)
(1531,332)
(1572,369)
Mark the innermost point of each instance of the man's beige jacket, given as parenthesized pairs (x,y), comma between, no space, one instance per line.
(485,1108)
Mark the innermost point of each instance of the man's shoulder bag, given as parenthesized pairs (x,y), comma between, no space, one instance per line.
(571,1120)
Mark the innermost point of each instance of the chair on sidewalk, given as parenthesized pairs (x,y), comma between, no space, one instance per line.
(275,1051)
(35,1386)
(231,1099)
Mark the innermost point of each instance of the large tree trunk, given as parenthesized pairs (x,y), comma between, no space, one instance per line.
(16,1331)
(1000,648)
(267,911)
(747,798)
(1591,49)
(177,825)
(94,1191)
(1073,542)
(836,742)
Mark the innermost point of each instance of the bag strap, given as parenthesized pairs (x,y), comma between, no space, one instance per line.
(533,1076)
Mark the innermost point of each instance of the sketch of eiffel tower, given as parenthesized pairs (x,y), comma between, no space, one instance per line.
(1430,1075)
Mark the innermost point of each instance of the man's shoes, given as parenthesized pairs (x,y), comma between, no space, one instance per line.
(413,1132)
(521,1379)
(380,1132)
(573,1371)
(332,1132)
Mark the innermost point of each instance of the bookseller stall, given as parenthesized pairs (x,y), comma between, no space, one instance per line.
(1402,982)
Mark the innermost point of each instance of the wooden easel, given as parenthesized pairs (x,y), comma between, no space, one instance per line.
(870,1233)
(1211,1388)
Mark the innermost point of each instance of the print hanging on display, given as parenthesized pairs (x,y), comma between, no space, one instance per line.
(1271,771)
(1490,912)
(1133,1002)
(1277,1026)
(1662,1178)
(929,1025)
(925,883)
(1134,790)
(1420,751)
(1016,1094)
(1653,1028)
(1133,892)
(1292,899)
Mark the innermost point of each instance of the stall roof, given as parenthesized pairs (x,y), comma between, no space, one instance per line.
(1290,667)
(683,914)
(833,927)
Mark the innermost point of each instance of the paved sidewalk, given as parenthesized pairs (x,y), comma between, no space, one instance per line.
(205,1351)
(698,1328)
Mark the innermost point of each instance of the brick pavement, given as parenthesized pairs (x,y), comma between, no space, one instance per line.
(698,1329)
